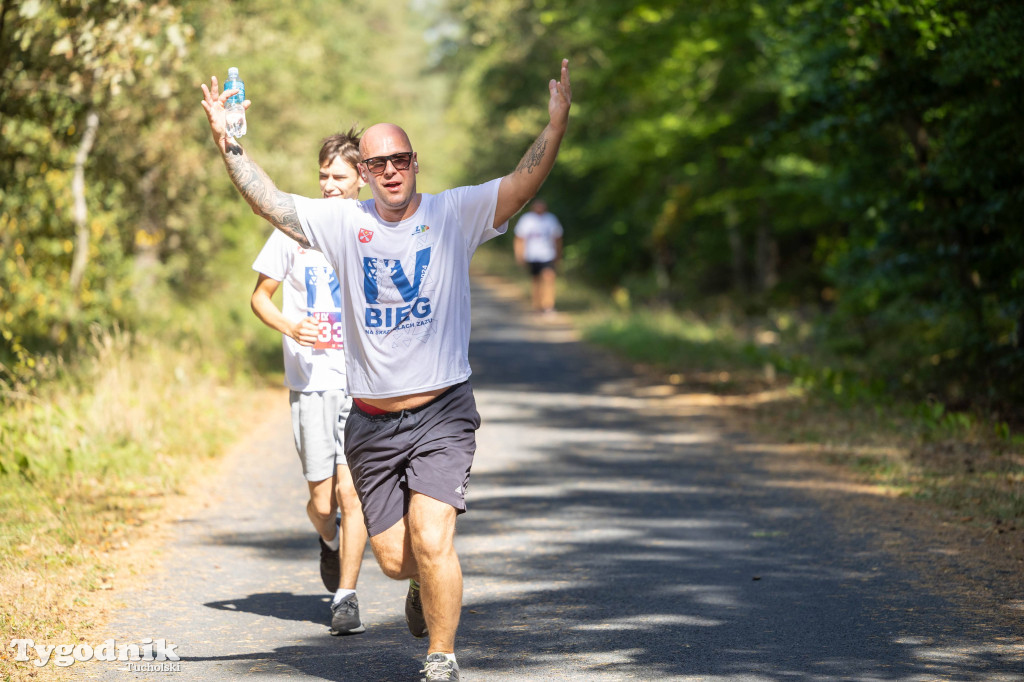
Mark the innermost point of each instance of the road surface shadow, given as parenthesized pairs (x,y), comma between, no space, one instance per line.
(286,605)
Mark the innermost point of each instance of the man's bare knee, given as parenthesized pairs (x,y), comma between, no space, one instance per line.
(321,507)
(349,502)
(430,545)
(391,567)
(393,552)
(321,499)
(344,489)
(431,529)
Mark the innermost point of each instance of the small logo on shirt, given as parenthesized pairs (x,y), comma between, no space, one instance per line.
(420,229)
(365,235)
(458,491)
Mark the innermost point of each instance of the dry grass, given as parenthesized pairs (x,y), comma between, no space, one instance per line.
(971,471)
(91,466)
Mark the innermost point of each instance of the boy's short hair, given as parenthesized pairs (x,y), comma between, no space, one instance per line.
(345,145)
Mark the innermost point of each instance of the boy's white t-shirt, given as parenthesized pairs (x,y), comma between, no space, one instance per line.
(310,288)
(539,233)
(406,320)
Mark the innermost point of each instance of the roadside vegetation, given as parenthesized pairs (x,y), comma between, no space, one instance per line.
(106,444)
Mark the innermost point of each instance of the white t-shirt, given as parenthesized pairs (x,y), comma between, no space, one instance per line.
(539,233)
(310,288)
(406,317)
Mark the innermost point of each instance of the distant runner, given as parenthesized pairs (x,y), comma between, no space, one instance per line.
(538,246)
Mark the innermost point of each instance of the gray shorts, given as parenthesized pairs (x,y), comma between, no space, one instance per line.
(318,427)
(428,450)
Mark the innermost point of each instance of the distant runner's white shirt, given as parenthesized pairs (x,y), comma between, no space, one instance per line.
(406,308)
(310,288)
(540,234)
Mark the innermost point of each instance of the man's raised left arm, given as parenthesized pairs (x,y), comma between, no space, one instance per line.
(519,186)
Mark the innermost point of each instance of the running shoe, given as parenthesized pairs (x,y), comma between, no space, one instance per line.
(330,566)
(439,668)
(414,613)
(345,617)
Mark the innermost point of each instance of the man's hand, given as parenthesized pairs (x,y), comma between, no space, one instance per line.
(214,105)
(561,98)
(522,184)
(306,331)
(259,191)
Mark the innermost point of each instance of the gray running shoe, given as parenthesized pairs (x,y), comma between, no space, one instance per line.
(414,612)
(439,669)
(345,617)
(330,566)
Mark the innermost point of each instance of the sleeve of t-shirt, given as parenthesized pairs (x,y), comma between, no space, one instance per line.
(276,258)
(522,229)
(475,206)
(556,228)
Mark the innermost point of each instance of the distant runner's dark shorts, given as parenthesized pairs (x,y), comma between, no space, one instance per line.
(539,267)
(429,450)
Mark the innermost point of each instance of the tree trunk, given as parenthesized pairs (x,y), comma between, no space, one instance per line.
(81,215)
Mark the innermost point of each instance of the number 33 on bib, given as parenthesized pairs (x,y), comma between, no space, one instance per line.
(329,330)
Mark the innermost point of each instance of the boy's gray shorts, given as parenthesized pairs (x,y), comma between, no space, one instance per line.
(429,450)
(318,427)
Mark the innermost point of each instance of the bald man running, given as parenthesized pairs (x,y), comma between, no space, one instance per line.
(404,257)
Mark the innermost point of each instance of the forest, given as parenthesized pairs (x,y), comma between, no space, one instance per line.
(855,163)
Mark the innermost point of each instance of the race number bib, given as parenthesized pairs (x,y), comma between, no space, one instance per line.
(328,330)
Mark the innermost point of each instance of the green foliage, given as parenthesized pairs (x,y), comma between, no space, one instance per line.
(157,208)
(917,102)
(683,344)
(863,158)
(62,62)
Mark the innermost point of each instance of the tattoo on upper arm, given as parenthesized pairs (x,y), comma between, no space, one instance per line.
(534,156)
(286,218)
(266,200)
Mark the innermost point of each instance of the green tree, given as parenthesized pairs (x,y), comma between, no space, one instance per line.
(112,202)
(70,158)
(669,164)
(918,104)
(861,156)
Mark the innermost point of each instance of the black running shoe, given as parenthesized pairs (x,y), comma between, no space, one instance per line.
(345,617)
(414,611)
(330,566)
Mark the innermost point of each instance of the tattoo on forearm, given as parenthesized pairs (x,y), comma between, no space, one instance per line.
(266,199)
(534,156)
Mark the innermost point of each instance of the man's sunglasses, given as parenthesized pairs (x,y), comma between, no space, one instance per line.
(400,161)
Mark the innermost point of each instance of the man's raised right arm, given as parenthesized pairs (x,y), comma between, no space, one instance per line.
(256,187)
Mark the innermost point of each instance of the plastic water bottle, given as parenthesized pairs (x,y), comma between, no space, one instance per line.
(234,111)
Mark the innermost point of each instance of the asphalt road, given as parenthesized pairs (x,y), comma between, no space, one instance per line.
(606,539)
